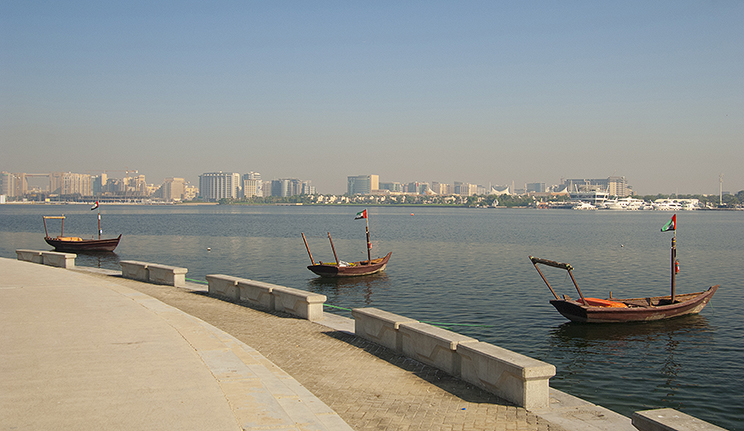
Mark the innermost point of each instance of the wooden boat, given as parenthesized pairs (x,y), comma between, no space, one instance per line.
(75,244)
(348,269)
(613,310)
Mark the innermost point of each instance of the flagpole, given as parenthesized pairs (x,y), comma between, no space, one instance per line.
(674,255)
(369,244)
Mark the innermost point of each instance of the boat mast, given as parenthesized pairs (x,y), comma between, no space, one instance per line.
(308,248)
(674,261)
(369,244)
(333,248)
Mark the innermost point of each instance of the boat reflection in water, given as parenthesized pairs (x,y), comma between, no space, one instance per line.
(674,350)
(98,259)
(337,287)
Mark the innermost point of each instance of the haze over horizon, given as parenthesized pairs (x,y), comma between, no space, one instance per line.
(479,92)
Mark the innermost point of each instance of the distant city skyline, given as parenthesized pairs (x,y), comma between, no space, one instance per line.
(481,92)
(40,180)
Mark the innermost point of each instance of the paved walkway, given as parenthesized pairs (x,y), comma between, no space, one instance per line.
(81,350)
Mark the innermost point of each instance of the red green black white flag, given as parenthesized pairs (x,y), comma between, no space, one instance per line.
(361,214)
(671,224)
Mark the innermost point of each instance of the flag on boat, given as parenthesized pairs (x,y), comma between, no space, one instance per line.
(94,206)
(671,224)
(361,214)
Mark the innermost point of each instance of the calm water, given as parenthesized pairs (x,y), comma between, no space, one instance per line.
(470,267)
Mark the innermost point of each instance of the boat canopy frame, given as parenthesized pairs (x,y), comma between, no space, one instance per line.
(559,265)
(62,230)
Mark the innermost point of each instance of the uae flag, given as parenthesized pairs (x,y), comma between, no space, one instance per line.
(671,224)
(361,214)
(94,206)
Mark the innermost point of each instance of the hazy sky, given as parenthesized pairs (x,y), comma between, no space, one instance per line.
(474,91)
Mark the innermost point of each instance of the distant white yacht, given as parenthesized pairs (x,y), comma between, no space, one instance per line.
(595,197)
(676,204)
(584,206)
(625,204)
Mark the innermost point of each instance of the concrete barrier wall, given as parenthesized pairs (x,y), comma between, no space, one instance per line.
(510,375)
(30,255)
(272,297)
(51,258)
(670,420)
(164,274)
(135,270)
(225,286)
(60,260)
(380,327)
(298,302)
(257,293)
(433,346)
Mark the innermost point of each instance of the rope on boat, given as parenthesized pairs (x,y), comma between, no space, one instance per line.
(439,324)
(474,325)
(335,306)
(196,281)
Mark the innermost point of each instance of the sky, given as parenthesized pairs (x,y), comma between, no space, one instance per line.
(484,92)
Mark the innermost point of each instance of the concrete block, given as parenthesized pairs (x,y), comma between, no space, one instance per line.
(670,420)
(433,346)
(135,270)
(257,293)
(510,375)
(30,255)
(225,286)
(298,302)
(164,274)
(60,260)
(379,326)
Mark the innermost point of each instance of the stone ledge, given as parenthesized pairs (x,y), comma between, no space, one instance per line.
(379,326)
(298,302)
(510,375)
(29,255)
(433,346)
(135,270)
(169,275)
(60,260)
(670,420)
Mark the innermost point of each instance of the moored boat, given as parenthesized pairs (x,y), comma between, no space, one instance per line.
(613,310)
(348,269)
(76,244)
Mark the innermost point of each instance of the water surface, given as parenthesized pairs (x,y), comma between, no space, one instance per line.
(470,267)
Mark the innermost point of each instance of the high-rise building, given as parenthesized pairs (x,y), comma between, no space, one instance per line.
(68,183)
(173,189)
(465,189)
(286,187)
(214,186)
(7,184)
(442,189)
(393,187)
(308,188)
(362,184)
(252,185)
(535,187)
(98,184)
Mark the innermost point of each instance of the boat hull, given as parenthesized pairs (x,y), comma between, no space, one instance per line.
(108,244)
(355,269)
(638,310)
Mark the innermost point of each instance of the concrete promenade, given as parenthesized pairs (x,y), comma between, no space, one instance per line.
(81,349)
